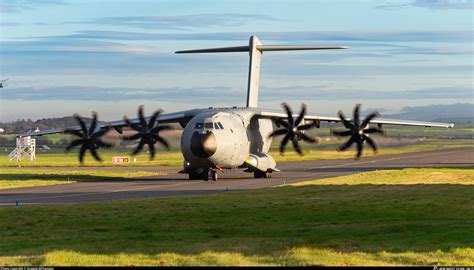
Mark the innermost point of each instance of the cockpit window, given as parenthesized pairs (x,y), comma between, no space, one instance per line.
(198,126)
(210,125)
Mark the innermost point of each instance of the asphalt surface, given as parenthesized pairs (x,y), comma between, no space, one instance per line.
(174,184)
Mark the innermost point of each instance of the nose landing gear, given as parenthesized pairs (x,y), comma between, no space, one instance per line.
(203,174)
(214,175)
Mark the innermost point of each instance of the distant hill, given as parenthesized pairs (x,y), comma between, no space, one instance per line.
(456,113)
(46,123)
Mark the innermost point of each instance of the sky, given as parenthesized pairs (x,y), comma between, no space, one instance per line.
(65,56)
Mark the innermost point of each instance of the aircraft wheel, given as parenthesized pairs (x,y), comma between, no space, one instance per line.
(214,175)
(199,174)
(260,174)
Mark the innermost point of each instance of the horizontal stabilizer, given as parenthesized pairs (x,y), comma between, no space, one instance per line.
(263,48)
(218,50)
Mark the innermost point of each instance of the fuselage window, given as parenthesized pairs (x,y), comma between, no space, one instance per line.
(208,125)
(220,125)
(198,126)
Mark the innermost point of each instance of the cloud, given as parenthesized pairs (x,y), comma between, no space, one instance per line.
(216,94)
(180,22)
(12,6)
(322,36)
(317,93)
(116,94)
(58,44)
(121,53)
(431,4)
(9,24)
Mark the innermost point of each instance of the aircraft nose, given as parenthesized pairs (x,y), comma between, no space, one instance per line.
(203,145)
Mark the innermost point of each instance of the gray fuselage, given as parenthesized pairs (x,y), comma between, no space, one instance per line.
(225,138)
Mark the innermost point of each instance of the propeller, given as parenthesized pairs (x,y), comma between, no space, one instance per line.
(148,133)
(357,131)
(293,130)
(89,138)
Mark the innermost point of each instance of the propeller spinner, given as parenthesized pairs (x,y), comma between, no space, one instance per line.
(358,132)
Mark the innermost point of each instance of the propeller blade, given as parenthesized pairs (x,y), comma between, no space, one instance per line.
(152,151)
(73,144)
(357,115)
(289,113)
(81,123)
(100,132)
(296,145)
(368,119)
(139,147)
(346,123)
(134,126)
(360,148)
(93,151)
(278,132)
(153,118)
(371,143)
(162,141)
(280,122)
(82,152)
(346,145)
(305,137)
(93,124)
(141,117)
(307,126)
(302,114)
(284,142)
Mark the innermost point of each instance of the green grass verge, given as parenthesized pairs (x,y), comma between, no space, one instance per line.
(374,218)
(14,178)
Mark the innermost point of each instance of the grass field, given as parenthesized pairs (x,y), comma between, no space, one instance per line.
(325,150)
(396,217)
(14,178)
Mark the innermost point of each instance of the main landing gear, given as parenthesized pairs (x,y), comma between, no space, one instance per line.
(202,174)
(260,174)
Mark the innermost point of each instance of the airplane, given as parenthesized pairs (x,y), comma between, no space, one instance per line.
(2,83)
(218,139)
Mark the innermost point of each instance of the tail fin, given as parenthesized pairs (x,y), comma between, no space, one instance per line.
(255,50)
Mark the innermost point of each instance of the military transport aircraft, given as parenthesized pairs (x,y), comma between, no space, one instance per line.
(216,139)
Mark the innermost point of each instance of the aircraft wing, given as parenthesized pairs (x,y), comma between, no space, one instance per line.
(176,117)
(274,114)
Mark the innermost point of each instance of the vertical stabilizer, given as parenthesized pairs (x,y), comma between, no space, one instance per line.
(256,50)
(254,72)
